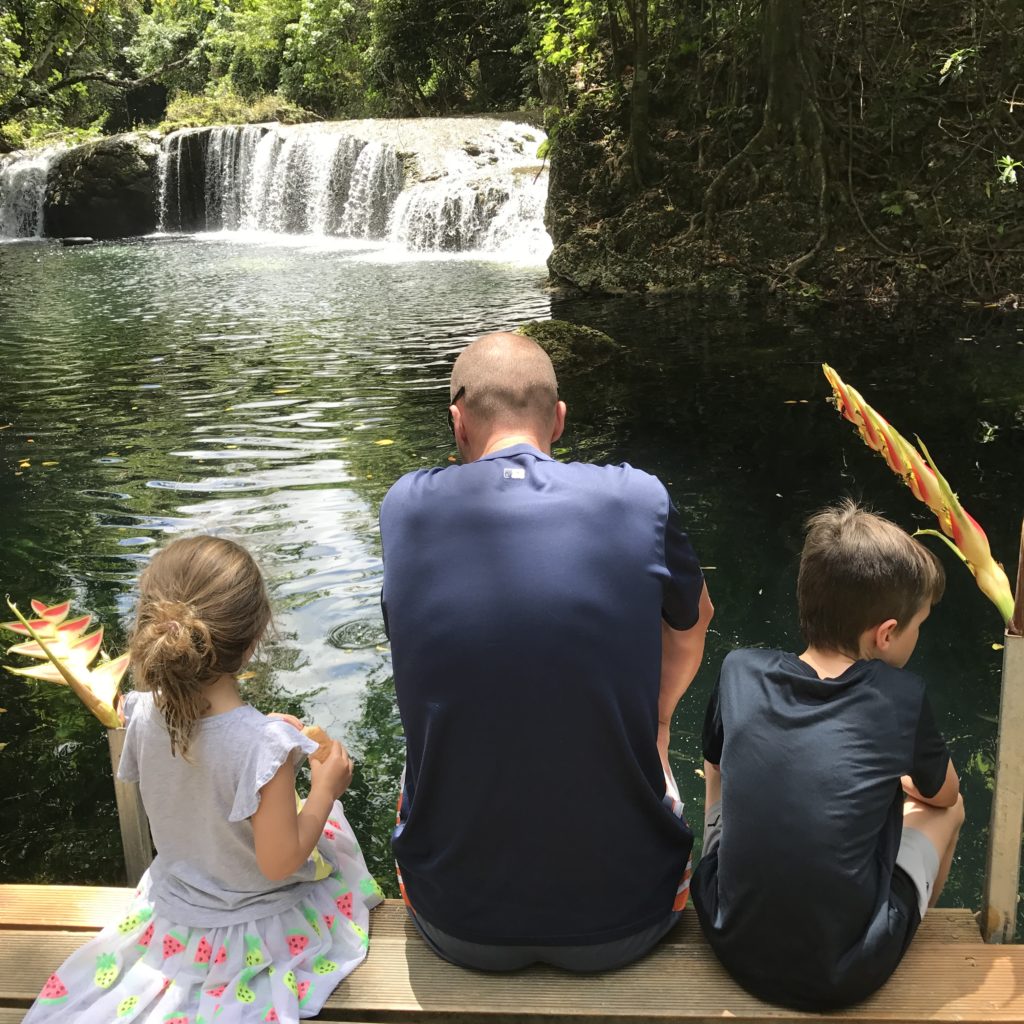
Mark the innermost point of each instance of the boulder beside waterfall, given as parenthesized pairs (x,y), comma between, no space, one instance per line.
(104,189)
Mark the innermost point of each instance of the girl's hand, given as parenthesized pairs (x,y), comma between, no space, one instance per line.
(334,773)
(290,719)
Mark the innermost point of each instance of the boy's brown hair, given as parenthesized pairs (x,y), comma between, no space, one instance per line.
(857,570)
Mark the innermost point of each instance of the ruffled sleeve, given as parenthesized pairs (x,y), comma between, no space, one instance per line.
(128,766)
(277,742)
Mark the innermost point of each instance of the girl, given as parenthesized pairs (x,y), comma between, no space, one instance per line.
(252,910)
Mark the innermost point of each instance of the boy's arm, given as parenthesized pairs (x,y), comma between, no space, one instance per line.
(682,651)
(946,795)
(933,779)
(713,734)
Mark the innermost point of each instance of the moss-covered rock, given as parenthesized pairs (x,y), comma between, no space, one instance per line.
(104,189)
(574,349)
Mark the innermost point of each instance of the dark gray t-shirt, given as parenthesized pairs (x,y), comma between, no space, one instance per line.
(205,873)
(796,899)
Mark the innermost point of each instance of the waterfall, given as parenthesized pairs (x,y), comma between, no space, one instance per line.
(501,214)
(449,185)
(230,154)
(22,190)
(376,180)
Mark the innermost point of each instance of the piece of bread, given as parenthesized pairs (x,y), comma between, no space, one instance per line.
(318,736)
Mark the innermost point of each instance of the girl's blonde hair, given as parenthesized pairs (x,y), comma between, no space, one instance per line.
(203,606)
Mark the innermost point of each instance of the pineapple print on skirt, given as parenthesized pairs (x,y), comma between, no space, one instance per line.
(144,967)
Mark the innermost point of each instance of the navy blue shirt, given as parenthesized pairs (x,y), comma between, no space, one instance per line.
(797,901)
(524,598)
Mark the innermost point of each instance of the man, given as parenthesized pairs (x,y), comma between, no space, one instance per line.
(545,619)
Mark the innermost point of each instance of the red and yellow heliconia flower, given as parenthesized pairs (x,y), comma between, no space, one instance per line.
(960,530)
(68,652)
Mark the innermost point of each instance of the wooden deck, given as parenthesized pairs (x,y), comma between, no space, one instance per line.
(948,975)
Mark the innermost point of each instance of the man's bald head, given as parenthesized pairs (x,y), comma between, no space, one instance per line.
(509,381)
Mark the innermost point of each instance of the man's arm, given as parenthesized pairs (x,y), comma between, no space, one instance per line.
(681,653)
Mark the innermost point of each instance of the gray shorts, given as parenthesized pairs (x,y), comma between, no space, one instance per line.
(916,856)
(604,956)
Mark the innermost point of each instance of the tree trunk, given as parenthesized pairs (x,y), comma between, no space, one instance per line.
(782,56)
(640,98)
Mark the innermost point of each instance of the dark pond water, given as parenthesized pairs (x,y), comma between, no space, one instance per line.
(273,393)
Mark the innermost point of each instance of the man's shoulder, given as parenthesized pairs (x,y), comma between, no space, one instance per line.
(411,483)
(618,475)
(598,475)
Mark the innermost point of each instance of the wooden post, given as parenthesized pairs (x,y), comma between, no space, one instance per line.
(135,838)
(1002,872)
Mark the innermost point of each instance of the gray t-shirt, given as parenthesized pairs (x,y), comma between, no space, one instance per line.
(205,873)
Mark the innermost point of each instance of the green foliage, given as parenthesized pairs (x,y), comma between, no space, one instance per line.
(36,129)
(54,58)
(1007,168)
(12,67)
(955,63)
(325,63)
(570,32)
(440,55)
(220,104)
(65,63)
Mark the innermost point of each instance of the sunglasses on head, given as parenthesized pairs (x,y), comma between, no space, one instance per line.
(458,394)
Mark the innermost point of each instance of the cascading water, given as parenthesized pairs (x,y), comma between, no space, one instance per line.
(421,185)
(22,190)
(460,215)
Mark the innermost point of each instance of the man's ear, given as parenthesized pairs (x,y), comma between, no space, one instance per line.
(559,427)
(459,427)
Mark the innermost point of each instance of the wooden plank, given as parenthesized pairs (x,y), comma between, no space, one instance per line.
(403,980)
(1002,871)
(88,908)
(64,907)
(135,838)
(10,1015)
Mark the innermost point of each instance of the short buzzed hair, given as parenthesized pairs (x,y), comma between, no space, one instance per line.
(506,379)
(856,571)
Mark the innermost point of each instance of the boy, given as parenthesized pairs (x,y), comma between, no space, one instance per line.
(833,808)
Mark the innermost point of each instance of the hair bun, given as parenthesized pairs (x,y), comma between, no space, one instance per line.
(182,635)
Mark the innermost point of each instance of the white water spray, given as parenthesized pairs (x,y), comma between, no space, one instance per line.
(22,191)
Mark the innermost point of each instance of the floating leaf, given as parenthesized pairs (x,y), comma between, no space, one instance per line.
(383,442)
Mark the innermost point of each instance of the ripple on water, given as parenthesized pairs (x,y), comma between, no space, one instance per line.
(358,633)
(139,367)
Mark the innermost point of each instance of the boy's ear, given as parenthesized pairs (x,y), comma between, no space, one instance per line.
(884,633)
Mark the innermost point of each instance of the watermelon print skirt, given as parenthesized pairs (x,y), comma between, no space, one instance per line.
(148,969)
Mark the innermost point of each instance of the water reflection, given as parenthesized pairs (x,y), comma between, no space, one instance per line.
(264,393)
